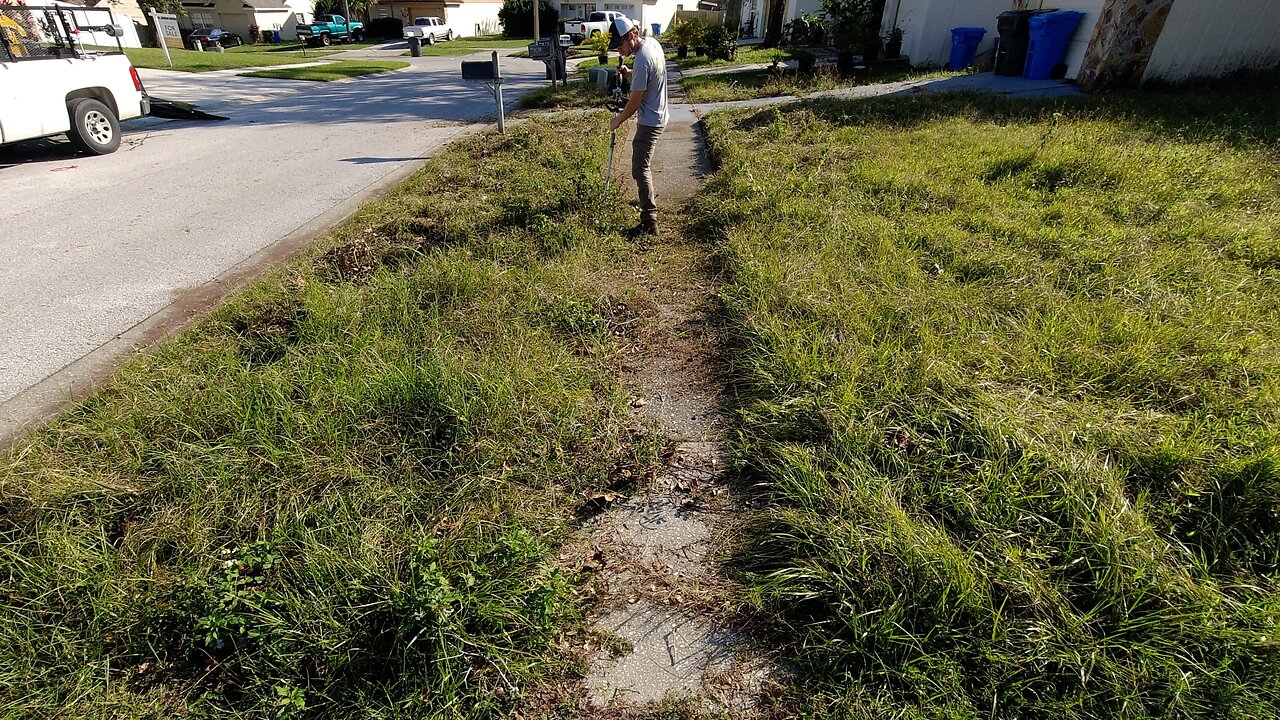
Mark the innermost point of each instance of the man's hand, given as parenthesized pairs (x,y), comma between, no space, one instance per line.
(624,72)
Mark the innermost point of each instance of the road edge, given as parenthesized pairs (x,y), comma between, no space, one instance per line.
(35,406)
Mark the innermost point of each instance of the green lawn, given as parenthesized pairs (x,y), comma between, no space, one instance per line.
(747,55)
(192,61)
(342,495)
(468,46)
(339,70)
(1009,395)
(300,49)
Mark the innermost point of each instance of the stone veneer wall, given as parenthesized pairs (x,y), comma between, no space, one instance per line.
(1122,41)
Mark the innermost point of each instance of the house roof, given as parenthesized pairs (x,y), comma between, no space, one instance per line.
(266,4)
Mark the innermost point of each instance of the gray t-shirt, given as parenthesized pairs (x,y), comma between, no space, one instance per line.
(650,75)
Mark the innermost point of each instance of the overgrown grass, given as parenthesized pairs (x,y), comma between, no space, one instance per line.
(578,94)
(1010,381)
(750,84)
(341,495)
(340,70)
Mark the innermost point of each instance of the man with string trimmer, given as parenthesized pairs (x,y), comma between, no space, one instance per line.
(647,100)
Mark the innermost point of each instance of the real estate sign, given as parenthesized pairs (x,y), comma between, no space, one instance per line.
(167,27)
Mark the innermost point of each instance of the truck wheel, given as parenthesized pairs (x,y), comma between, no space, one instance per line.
(357,36)
(325,40)
(431,39)
(94,128)
(448,35)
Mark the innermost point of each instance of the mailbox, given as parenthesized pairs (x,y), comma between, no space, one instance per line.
(539,50)
(479,70)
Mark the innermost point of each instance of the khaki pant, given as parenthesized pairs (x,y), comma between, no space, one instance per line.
(642,146)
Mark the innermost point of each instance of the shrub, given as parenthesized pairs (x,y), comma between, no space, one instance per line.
(385,27)
(683,33)
(803,31)
(517,20)
(721,44)
(255,34)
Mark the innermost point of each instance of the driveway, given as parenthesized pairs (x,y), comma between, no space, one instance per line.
(103,254)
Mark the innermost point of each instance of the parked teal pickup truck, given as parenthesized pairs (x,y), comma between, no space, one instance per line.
(325,29)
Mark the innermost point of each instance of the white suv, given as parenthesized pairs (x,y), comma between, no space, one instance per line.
(48,87)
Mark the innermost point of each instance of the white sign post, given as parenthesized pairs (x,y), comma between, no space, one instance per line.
(166,27)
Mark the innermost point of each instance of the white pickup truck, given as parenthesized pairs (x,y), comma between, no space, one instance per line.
(429,30)
(49,86)
(596,23)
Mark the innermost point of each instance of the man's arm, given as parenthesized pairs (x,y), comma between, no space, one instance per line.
(633,104)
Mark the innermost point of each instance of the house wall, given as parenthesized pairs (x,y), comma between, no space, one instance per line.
(303,10)
(926,25)
(272,19)
(467,17)
(661,12)
(1208,38)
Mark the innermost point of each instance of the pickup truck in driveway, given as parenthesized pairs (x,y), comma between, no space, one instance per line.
(49,85)
(325,29)
(596,23)
(429,30)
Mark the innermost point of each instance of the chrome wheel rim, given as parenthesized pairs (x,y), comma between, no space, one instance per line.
(98,127)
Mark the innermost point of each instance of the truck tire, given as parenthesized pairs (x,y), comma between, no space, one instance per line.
(94,128)
(448,35)
(325,40)
(431,39)
(357,36)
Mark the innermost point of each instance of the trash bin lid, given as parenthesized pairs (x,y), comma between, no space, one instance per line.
(1057,17)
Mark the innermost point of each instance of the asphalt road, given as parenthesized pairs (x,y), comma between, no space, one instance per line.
(98,249)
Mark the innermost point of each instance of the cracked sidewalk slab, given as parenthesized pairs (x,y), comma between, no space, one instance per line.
(671,654)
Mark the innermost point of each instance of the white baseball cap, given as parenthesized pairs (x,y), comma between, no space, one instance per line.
(622,25)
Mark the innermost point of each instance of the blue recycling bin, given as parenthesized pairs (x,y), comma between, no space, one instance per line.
(1047,44)
(657,29)
(275,36)
(964,46)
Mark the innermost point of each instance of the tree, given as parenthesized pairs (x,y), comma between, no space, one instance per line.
(163,6)
(516,17)
(774,23)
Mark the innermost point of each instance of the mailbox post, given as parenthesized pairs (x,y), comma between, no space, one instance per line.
(489,74)
(551,52)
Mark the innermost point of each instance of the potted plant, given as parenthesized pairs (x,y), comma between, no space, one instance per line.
(699,27)
(893,44)
(850,22)
(800,36)
(599,42)
(682,33)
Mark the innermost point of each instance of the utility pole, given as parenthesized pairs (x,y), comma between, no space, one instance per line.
(537,31)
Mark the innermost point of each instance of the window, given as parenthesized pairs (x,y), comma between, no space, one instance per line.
(201,19)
